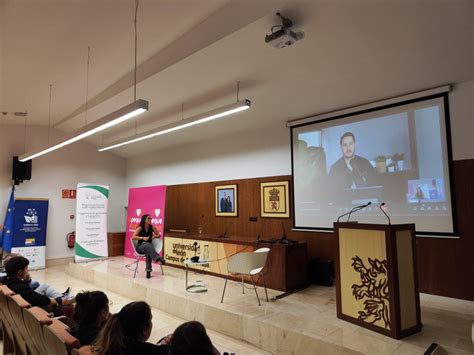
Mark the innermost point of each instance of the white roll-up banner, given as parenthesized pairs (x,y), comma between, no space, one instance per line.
(91,222)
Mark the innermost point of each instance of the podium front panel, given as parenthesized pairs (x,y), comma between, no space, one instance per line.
(406,280)
(364,276)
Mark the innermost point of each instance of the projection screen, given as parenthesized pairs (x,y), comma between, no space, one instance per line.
(398,155)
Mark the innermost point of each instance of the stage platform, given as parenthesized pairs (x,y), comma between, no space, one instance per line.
(302,323)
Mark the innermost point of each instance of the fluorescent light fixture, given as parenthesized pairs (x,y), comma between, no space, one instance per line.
(208,116)
(112,119)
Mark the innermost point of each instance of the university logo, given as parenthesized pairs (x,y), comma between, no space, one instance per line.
(157,212)
(138,212)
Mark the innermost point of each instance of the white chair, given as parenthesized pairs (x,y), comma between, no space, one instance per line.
(157,244)
(248,264)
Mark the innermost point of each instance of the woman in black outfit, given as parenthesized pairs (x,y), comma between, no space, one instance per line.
(145,233)
(126,333)
(90,314)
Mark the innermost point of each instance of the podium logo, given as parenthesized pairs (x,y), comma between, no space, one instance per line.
(373,289)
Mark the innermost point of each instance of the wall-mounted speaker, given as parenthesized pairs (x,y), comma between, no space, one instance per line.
(21,171)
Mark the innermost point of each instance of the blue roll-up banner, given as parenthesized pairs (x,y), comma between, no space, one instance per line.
(29,230)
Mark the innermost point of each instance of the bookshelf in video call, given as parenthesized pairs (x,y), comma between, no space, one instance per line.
(376,277)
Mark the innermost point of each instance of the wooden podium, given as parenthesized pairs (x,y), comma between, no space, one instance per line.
(376,277)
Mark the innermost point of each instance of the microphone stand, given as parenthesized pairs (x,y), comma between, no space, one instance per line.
(354,209)
(260,231)
(347,213)
(226,229)
(195,258)
(358,209)
(386,215)
(284,239)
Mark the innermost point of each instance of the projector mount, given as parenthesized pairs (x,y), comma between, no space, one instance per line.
(284,36)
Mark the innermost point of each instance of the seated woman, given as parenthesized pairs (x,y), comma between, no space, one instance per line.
(191,338)
(126,333)
(90,315)
(145,233)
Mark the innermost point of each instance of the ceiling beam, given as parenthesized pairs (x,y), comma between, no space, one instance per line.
(228,19)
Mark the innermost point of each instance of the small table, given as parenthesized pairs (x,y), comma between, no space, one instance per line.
(195,287)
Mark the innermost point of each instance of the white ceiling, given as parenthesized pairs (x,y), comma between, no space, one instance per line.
(192,53)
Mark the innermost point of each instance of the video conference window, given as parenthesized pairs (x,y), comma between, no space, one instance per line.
(397,155)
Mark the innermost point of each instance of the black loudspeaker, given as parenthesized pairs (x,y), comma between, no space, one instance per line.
(321,272)
(21,171)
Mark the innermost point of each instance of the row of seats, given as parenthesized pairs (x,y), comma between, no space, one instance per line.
(30,330)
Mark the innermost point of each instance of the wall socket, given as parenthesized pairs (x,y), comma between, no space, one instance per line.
(253,218)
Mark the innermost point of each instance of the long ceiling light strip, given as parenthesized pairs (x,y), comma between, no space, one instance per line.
(125,113)
(112,119)
(208,116)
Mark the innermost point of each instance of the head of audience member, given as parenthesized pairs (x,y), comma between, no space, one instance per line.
(146,219)
(191,338)
(17,267)
(7,257)
(132,324)
(92,309)
(348,145)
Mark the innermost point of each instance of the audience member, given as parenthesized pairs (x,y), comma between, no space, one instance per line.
(90,314)
(126,333)
(18,280)
(43,289)
(191,338)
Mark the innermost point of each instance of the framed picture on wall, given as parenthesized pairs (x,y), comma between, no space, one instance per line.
(274,199)
(226,201)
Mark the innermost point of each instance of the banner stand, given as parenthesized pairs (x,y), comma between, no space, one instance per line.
(144,200)
(29,230)
(91,223)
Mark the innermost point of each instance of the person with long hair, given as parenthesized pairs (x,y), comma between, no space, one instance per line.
(191,338)
(126,333)
(145,233)
(90,314)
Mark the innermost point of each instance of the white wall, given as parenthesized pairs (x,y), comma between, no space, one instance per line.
(461,108)
(266,152)
(254,154)
(62,169)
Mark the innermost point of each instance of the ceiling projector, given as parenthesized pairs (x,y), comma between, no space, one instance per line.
(284,36)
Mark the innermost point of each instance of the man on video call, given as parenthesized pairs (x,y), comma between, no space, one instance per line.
(351,171)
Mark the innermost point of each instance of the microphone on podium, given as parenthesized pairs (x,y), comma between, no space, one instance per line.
(381,209)
(354,209)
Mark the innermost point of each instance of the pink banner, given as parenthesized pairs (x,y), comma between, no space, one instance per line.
(144,200)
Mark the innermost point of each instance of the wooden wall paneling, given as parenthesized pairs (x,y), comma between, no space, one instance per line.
(115,243)
(444,265)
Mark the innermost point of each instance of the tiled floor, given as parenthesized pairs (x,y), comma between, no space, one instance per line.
(303,323)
